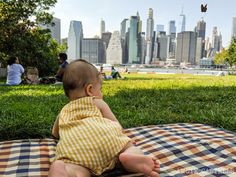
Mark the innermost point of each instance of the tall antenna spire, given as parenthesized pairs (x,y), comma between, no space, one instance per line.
(183,20)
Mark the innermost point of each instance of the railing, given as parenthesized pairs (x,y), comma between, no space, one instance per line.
(3,72)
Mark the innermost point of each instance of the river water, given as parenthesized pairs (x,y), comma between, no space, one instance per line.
(177,71)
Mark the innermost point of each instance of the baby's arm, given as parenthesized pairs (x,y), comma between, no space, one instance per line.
(105,109)
(55,129)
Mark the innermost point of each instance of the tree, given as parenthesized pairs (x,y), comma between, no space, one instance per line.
(21,34)
(227,55)
(232,53)
(220,58)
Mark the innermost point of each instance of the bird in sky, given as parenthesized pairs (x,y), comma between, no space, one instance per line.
(203,8)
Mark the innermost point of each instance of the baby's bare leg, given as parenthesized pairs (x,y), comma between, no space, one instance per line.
(61,169)
(133,160)
(77,171)
(57,169)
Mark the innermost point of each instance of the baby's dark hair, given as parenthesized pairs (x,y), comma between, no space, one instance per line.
(78,74)
(63,56)
(11,60)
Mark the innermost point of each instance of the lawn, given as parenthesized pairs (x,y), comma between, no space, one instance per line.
(29,111)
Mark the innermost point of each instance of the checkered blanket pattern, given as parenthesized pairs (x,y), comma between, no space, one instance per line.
(192,150)
(26,157)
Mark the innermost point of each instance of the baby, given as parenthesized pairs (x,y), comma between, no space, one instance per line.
(91,140)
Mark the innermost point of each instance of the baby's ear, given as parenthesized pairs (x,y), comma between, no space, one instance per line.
(88,90)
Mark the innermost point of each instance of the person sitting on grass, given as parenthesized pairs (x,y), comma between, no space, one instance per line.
(63,63)
(14,71)
(114,73)
(91,140)
(103,74)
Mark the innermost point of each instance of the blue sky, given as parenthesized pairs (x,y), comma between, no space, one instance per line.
(90,12)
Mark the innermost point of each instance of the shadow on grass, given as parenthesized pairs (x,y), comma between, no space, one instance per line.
(33,116)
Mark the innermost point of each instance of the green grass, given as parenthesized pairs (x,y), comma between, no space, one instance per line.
(29,111)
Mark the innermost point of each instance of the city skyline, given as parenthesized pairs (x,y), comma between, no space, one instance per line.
(91,12)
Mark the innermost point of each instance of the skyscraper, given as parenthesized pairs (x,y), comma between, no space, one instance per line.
(114,49)
(172,27)
(102,27)
(159,28)
(172,39)
(199,49)
(216,40)
(106,36)
(186,47)
(201,29)
(55,29)
(183,21)
(234,28)
(139,39)
(124,26)
(201,32)
(214,36)
(124,33)
(75,38)
(133,42)
(162,44)
(143,45)
(139,23)
(149,36)
(93,50)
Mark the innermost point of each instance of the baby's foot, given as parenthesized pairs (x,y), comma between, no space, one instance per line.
(140,163)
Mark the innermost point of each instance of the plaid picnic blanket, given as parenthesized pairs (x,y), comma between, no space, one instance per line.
(192,150)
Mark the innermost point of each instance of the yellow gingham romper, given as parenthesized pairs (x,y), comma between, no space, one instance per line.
(88,139)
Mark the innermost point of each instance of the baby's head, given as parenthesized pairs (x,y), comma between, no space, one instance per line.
(81,79)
